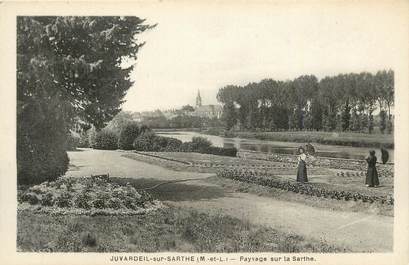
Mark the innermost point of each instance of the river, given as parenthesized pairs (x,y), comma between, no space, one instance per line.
(322,150)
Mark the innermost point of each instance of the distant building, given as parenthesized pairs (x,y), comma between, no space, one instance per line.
(206,111)
(198,99)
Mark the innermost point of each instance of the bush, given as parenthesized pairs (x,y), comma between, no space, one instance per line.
(47,199)
(128,135)
(72,141)
(221,151)
(106,140)
(30,197)
(64,200)
(173,145)
(144,142)
(84,141)
(200,143)
(114,203)
(82,201)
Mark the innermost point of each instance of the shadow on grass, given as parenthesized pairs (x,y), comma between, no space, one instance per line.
(174,191)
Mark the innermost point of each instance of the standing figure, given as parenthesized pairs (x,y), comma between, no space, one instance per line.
(302,166)
(371,174)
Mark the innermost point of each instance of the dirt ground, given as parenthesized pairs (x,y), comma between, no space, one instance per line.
(360,232)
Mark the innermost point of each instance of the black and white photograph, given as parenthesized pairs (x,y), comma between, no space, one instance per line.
(214,128)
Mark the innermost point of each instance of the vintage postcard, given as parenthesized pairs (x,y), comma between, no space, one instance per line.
(204,132)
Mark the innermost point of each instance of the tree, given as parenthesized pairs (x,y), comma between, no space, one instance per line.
(188,108)
(120,121)
(382,121)
(229,115)
(68,67)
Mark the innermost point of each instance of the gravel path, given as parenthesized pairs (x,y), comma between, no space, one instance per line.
(358,232)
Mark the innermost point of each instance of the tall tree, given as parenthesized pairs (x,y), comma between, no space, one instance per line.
(68,67)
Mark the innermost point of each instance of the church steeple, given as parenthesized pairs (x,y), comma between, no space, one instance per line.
(198,99)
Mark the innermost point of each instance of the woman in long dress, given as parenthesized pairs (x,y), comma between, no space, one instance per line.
(302,166)
(371,174)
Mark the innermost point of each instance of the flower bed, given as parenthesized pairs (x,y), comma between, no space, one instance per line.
(307,189)
(384,170)
(85,195)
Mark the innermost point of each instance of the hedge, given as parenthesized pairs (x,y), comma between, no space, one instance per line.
(150,142)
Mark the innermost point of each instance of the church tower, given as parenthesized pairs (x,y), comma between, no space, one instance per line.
(198,99)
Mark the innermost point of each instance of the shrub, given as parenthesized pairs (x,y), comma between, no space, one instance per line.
(92,135)
(47,199)
(82,201)
(114,203)
(72,141)
(200,143)
(101,200)
(186,147)
(30,197)
(144,142)
(84,141)
(64,200)
(221,151)
(173,145)
(106,140)
(128,135)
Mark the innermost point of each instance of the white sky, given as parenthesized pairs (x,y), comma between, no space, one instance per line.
(207,47)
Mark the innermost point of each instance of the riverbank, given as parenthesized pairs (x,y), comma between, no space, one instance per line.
(328,138)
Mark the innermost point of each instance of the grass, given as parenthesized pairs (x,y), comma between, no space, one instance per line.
(331,138)
(170,229)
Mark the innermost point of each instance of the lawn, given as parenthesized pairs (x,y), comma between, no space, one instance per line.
(169,229)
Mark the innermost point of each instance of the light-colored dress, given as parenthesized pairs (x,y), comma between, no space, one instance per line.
(302,168)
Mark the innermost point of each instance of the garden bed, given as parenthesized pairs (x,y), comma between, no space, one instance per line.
(312,189)
(85,196)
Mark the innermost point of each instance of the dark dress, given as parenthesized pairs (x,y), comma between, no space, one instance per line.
(372,173)
(302,171)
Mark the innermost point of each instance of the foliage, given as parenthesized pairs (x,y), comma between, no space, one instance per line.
(127,136)
(165,230)
(382,122)
(67,67)
(73,141)
(84,140)
(306,103)
(144,142)
(150,142)
(200,143)
(120,121)
(229,115)
(106,140)
(85,195)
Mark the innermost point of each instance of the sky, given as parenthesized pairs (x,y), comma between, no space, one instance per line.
(205,47)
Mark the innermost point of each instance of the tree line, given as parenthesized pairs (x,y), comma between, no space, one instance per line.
(345,102)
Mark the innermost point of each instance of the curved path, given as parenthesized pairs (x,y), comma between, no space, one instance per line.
(359,232)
